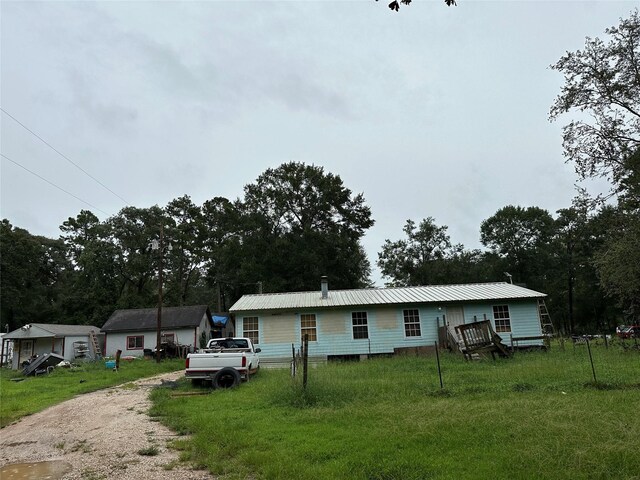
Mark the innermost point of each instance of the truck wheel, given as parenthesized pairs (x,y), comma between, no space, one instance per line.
(226,378)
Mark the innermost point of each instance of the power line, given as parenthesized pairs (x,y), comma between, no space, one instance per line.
(61,154)
(52,184)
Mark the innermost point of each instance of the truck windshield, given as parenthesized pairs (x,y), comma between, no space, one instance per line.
(231,343)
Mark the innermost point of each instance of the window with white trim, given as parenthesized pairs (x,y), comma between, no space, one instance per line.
(250,328)
(135,342)
(501,318)
(308,326)
(168,338)
(359,324)
(411,322)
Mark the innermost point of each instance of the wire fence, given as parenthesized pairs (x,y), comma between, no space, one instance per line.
(569,363)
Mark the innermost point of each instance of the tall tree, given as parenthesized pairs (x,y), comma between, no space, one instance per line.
(131,232)
(185,259)
(427,257)
(619,266)
(30,269)
(602,85)
(92,289)
(577,302)
(414,260)
(222,245)
(299,223)
(618,260)
(521,236)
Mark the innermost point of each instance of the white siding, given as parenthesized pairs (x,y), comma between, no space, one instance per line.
(118,341)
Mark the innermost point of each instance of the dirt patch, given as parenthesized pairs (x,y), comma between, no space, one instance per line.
(101,435)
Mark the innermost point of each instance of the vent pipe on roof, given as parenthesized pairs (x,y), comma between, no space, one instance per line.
(324,286)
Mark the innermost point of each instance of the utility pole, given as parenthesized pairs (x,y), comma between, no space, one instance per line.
(160,268)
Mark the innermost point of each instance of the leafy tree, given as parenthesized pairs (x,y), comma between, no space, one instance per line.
(131,232)
(299,223)
(618,259)
(619,266)
(602,85)
(222,244)
(185,259)
(427,257)
(91,292)
(521,236)
(412,261)
(576,300)
(30,268)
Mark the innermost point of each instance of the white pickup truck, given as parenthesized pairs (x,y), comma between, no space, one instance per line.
(224,363)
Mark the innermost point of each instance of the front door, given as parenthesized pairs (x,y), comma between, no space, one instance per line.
(26,351)
(455,316)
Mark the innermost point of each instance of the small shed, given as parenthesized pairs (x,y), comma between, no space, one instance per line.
(135,330)
(72,342)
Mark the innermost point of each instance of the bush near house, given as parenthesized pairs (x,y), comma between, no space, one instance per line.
(536,415)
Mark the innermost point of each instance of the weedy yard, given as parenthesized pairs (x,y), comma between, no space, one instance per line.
(20,396)
(536,415)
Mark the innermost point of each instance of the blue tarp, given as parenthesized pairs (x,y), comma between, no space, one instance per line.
(217,320)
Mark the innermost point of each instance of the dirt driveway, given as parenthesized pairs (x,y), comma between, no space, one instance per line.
(98,436)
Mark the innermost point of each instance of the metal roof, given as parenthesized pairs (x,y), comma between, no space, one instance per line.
(385,296)
(44,330)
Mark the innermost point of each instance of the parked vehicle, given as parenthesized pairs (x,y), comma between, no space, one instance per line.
(632,331)
(224,363)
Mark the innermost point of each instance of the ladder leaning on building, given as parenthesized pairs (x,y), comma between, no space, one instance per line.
(95,344)
(545,319)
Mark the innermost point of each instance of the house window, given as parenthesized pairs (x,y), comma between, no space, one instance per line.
(308,326)
(501,318)
(411,323)
(359,323)
(168,338)
(250,328)
(135,343)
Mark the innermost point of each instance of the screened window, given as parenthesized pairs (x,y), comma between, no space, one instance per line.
(250,328)
(168,338)
(501,318)
(360,326)
(135,343)
(308,326)
(411,323)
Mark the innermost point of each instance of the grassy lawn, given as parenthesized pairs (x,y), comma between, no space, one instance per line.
(537,415)
(33,394)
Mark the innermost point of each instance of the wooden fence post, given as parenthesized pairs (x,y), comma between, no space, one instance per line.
(305,360)
(293,360)
(591,360)
(438,360)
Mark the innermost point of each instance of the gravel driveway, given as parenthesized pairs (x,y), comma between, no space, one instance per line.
(98,435)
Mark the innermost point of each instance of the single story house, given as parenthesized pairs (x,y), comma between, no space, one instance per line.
(72,342)
(349,323)
(134,331)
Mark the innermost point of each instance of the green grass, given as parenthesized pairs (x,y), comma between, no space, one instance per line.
(34,394)
(537,415)
(150,451)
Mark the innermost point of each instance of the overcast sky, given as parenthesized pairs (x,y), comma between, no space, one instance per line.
(431,111)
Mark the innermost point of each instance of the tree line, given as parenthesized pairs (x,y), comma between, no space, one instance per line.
(296,222)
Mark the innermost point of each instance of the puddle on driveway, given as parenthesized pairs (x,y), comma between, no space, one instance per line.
(49,470)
